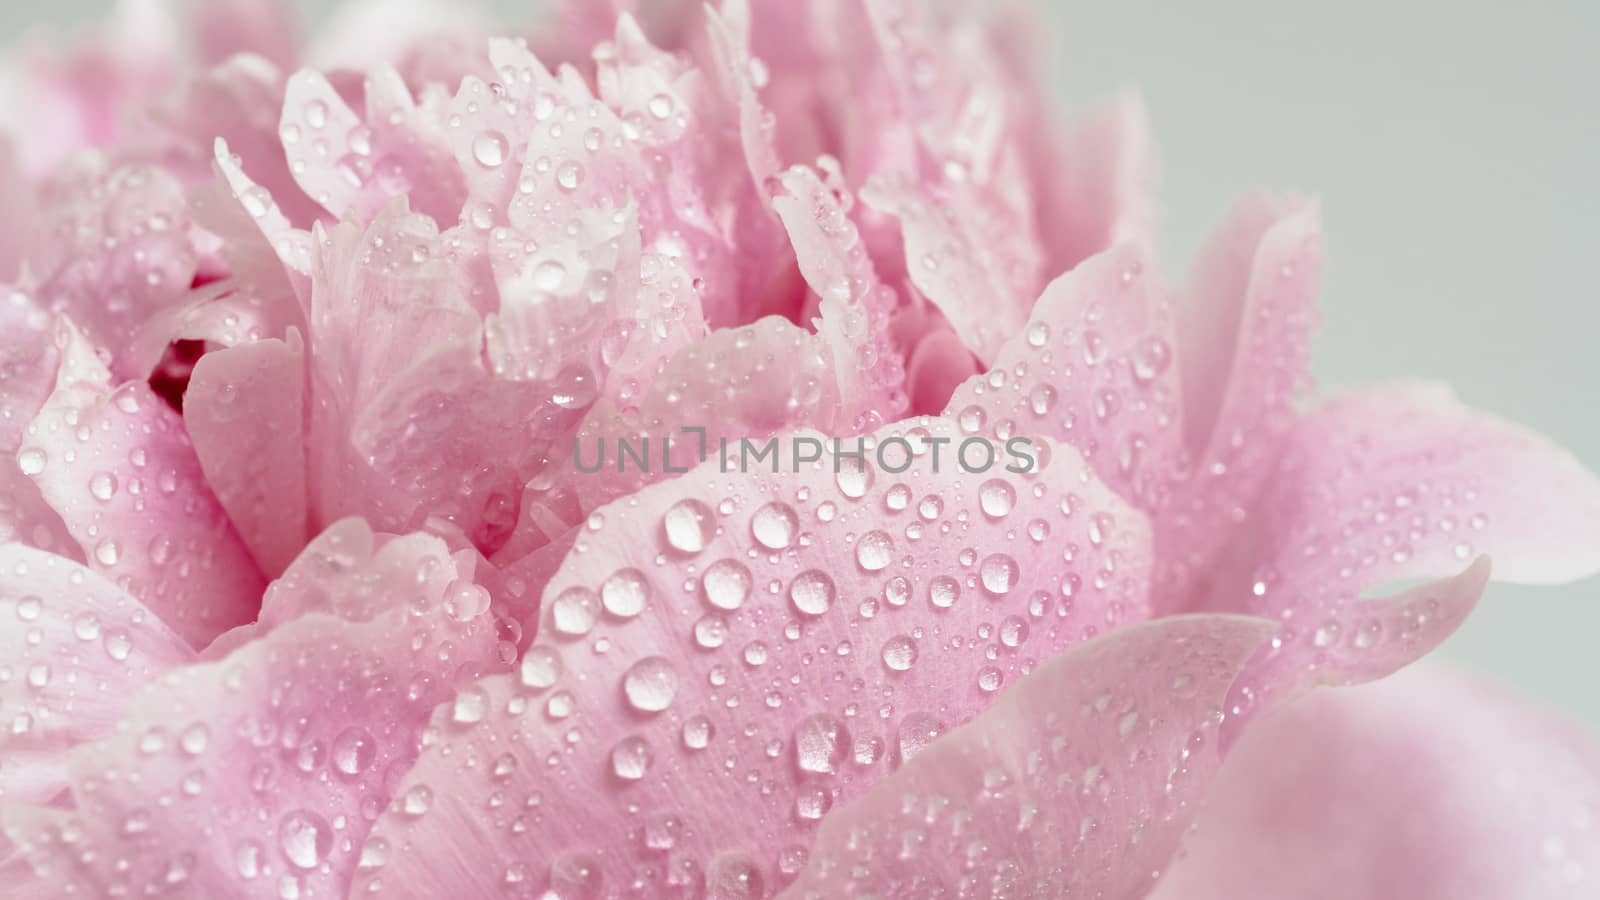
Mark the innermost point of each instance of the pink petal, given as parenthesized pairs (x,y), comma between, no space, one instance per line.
(28,362)
(1243,349)
(257,774)
(245,412)
(1098,180)
(116,465)
(1425,785)
(1092,369)
(959,249)
(1080,781)
(112,251)
(743,651)
(77,648)
(16,195)
(1394,484)
(265,28)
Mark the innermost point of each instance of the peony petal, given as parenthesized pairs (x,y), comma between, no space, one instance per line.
(257,774)
(732,643)
(1394,484)
(265,28)
(119,469)
(112,250)
(245,412)
(1079,781)
(1098,181)
(28,361)
(1092,369)
(76,649)
(1425,785)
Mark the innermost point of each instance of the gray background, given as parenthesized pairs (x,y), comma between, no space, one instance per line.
(1456,148)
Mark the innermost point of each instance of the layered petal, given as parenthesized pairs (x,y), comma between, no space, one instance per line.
(244,410)
(257,773)
(1426,785)
(76,649)
(1079,781)
(116,464)
(723,657)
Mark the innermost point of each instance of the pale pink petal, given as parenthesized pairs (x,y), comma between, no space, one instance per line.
(1394,484)
(1094,369)
(1079,781)
(16,196)
(1098,180)
(1425,785)
(937,366)
(964,256)
(265,28)
(115,463)
(257,774)
(245,412)
(722,657)
(28,361)
(76,649)
(854,308)
(112,250)
(1243,348)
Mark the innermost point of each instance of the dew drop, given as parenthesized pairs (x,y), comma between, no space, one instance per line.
(625,593)
(650,684)
(354,751)
(726,583)
(575,611)
(874,550)
(631,758)
(305,838)
(899,653)
(490,149)
(697,733)
(944,591)
(999,573)
(997,498)
(774,525)
(688,526)
(541,666)
(821,744)
(812,592)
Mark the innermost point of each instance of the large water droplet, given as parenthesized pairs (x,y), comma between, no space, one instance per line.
(650,684)
(998,573)
(490,148)
(625,593)
(774,525)
(944,591)
(575,611)
(812,592)
(697,733)
(354,751)
(727,584)
(996,498)
(916,732)
(899,653)
(631,758)
(734,876)
(688,526)
(305,838)
(821,744)
(874,550)
(541,666)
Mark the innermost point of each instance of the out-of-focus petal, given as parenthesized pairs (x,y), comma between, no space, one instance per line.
(1079,781)
(723,657)
(258,773)
(117,466)
(265,28)
(76,649)
(1426,785)
(245,413)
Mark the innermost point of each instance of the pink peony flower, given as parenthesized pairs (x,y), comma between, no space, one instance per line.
(958,553)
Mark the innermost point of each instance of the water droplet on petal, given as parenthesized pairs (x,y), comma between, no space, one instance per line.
(727,584)
(631,758)
(541,666)
(899,653)
(812,592)
(821,744)
(575,611)
(688,526)
(625,593)
(490,148)
(774,526)
(305,838)
(874,550)
(353,751)
(650,684)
